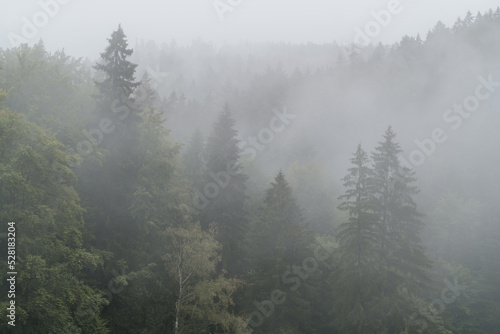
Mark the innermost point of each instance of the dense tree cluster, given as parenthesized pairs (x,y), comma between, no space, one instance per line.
(245,229)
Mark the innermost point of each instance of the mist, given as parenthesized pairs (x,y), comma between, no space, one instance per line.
(250,167)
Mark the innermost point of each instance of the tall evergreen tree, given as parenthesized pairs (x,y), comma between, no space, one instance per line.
(386,170)
(114,167)
(133,192)
(279,243)
(400,224)
(358,271)
(282,222)
(358,236)
(383,267)
(119,80)
(225,189)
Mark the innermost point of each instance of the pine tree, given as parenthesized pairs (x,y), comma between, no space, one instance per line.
(279,243)
(400,224)
(468,20)
(283,219)
(119,81)
(458,26)
(115,166)
(225,190)
(358,236)
(120,97)
(386,168)
(132,193)
(358,273)
(382,262)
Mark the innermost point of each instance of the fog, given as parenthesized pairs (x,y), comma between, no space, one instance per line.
(79,26)
(234,166)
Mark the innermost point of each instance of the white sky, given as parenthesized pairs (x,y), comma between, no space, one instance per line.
(81,27)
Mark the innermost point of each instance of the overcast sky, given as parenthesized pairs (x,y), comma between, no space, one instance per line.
(82,26)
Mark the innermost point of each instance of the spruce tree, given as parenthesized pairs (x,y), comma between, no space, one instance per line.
(386,169)
(114,168)
(400,224)
(282,220)
(279,244)
(358,236)
(224,189)
(382,267)
(358,272)
(119,81)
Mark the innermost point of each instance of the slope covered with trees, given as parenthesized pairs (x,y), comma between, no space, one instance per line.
(213,199)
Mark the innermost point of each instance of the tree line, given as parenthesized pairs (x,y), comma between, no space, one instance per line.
(103,201)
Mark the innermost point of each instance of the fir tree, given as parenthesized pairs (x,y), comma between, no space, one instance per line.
(225,187)
(400,224)
(357,273)
(358,236)
(119,81)
(279,243)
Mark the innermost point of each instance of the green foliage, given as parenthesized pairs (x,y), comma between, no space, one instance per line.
(226,207)
(52,90)
(159,271)
(383,267)
(400,224)
(202,302)
(119,80)
(159,193)
(50,257)
(279,243)
(359,256)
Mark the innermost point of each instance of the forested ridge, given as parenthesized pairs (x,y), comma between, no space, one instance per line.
(240,189)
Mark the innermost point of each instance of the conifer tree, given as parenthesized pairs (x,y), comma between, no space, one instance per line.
(279,243)
(225,189)
(115,166)
(282,220)
(400,224)
(358,236)
(358,271)
(119,81)
(382,267)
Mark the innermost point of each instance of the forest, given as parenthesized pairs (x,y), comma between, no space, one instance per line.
(254,187)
